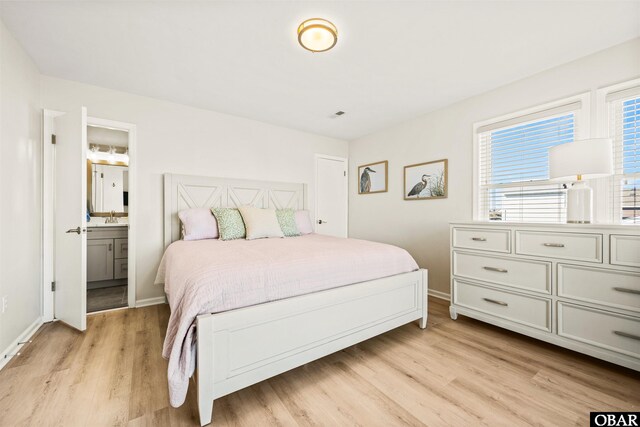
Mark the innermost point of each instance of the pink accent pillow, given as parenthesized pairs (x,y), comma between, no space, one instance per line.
(303,222)
(198,224)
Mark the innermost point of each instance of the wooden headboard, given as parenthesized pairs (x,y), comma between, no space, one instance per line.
(187,191)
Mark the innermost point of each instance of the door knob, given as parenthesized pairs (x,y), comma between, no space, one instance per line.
(321,221)
(76,230)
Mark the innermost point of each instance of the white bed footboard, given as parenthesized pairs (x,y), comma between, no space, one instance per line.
(242,347)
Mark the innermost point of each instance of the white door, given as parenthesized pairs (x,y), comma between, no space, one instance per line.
(70,218)
(331,196)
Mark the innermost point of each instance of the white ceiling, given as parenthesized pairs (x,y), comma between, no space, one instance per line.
(394,60)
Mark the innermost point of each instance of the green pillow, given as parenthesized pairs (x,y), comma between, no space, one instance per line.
(230,224)
(287,221)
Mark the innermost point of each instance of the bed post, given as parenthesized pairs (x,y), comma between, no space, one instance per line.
(204,377)
(425,297)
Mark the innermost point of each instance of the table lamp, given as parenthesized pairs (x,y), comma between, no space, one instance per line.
(574,162)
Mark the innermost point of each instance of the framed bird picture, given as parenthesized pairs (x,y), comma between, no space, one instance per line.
(425,181)
(373,178)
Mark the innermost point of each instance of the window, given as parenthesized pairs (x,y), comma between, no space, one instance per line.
(622,109)
(512,163)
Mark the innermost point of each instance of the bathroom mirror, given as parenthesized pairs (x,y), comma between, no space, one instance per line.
(107,171)
(107,188)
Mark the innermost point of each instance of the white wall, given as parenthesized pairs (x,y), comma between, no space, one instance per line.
(20,190)
(184,140)
(422,226)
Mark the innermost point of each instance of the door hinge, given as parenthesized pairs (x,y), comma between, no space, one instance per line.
(102,175)
(53,139)
(53,286)
(345,173)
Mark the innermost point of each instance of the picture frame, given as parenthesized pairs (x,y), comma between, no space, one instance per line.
(426,181)
(373,177)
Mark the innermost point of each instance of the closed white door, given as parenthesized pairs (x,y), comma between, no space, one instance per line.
(331,196)
(70,248)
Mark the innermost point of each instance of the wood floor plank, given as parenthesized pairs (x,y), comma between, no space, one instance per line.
(460,372)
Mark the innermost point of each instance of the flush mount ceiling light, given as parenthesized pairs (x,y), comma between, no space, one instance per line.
(317,35)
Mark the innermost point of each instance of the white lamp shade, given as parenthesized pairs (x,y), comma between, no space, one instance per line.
(317,35)
(590,158)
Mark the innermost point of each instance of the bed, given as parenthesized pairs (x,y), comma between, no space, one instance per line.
(294,300)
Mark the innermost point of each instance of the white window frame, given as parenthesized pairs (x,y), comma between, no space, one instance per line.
(602,129)
(583,121)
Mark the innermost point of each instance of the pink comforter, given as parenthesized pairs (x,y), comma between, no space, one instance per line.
(210,276)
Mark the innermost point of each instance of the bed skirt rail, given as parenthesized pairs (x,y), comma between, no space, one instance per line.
(238,348)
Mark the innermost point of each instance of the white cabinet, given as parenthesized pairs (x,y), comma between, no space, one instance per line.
(107,251)
(577,286)
(99,259)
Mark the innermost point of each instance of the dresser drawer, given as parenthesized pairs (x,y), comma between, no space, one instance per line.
(529,311)
(576,246)
(530,275)
(600,328)
(121,248)
(614,288)
(482,238)
(625,250)
(120,269)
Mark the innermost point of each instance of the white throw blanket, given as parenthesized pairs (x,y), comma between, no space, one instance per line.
(212,276)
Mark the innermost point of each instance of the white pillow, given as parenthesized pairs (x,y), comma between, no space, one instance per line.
(198,224)
(260,223)
(304,222)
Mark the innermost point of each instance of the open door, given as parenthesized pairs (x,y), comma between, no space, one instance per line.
(70,218)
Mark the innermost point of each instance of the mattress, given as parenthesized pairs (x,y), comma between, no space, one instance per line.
(212,276)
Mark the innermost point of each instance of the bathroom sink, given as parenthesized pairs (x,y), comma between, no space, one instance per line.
(104,224)
(100,222)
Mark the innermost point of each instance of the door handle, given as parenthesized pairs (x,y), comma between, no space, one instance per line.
(109,247)
(493,301)
(76,230)
(479,239)
(321,221)
(499,270)
(627,290)
(627,335)
(554,245)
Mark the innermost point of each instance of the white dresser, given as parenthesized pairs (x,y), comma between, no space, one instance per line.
(577,286)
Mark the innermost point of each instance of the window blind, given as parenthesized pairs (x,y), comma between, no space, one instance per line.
(514,167)
(624,130)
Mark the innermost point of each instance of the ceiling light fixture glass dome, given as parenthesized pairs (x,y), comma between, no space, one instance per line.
(317,35)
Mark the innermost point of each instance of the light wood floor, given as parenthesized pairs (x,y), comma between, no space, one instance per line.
(453,373)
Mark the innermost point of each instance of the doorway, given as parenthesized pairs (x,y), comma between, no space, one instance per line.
(89,182)
(331,201)
(107,217)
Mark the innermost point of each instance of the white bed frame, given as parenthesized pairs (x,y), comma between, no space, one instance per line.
(241,347)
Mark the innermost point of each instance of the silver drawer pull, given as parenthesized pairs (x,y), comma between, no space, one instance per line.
(627,290)
(493,301)
(479,239)
(499,270)
(554,245)
(627,335)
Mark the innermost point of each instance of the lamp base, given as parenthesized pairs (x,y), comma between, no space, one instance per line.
(579,203)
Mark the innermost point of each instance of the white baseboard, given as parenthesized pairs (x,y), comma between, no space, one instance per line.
(440,295)
(13,349)
(150,301)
